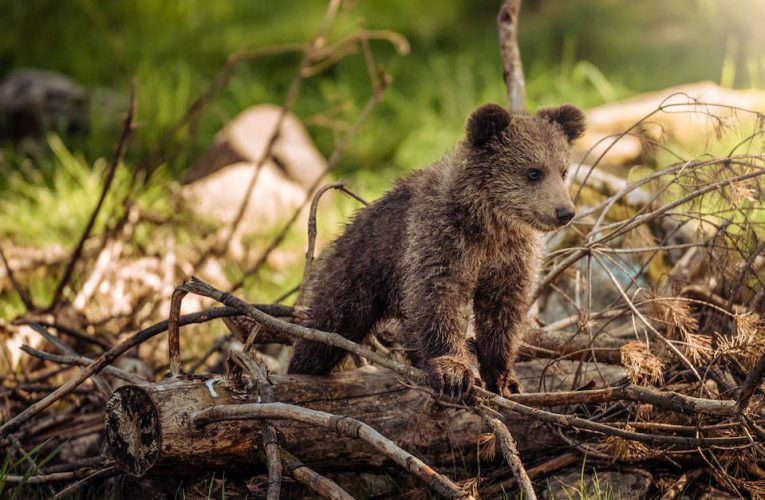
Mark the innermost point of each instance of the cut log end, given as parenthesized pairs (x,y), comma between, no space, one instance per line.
(133,429)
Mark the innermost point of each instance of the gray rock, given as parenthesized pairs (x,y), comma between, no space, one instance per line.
(624,485)
(246,138)
(714,494)
(218,197)
(216,184)
(34,101)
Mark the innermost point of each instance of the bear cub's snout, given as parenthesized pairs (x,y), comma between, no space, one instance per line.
(564,214)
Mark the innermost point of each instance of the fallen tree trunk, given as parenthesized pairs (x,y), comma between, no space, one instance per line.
(149,426)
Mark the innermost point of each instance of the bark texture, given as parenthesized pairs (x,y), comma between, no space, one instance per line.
(150,425)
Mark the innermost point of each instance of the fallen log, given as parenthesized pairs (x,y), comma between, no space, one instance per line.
(149,426)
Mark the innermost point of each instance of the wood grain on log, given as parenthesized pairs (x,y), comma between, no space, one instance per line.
(149,425)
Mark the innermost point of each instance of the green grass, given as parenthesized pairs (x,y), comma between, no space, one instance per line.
(588,487)
(27,465)
(593,489)
(173,50)
(739,204)
(43,209)
(49,201)
(587,52)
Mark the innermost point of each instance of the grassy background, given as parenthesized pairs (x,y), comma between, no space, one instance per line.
(587,52)
(583,51)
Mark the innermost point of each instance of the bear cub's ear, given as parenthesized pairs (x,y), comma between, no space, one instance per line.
(486,122)
(569,117)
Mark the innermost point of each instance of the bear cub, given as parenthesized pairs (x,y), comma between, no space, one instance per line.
(454,241)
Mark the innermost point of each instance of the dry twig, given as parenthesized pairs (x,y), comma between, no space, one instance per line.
(198,287)
(109,356)
(510,452)
(322,486)
(29,305)
(340,186)
(116,159)
(102,473)
(270,441)
(99,382)
(343,425)
(289,101)
(507,23)
(83,361)
(752,382)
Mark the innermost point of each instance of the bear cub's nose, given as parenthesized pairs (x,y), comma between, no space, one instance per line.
(564,214)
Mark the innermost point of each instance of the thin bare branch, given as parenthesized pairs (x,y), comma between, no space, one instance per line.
(346,426)
(289,102)
(116,159)
(109,356)
(66,330)
(507,23)
(248,363)
(751,383)
(633,222)
(100,383)
(102,473)
(83,361)
(199,287)
(322,486)
(173,332)
(510,452)
(340,186)
(416,375)
(312,223)
(23,294)
(165,147)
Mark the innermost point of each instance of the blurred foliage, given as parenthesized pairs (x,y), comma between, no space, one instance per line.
(582,51)
(52,208)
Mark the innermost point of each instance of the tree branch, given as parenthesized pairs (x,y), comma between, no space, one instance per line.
(507,23)
(116,159)
(346,426)
(510,452)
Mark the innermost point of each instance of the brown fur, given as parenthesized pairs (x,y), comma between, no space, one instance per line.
(460,236)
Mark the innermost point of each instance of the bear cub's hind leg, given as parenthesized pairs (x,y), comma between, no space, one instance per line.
(335,309)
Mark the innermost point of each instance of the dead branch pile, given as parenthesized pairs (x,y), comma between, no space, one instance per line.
(649,352)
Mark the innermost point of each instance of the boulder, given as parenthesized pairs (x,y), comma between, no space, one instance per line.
(683,122)
(216,185)
(35,101)
(246,137)
(220,195)
(597,484)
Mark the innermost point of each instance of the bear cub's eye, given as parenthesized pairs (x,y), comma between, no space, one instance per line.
(534,174)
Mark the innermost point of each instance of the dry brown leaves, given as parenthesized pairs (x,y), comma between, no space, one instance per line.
(642,366)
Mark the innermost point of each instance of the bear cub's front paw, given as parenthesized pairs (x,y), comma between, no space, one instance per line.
(505,384)
(451,377)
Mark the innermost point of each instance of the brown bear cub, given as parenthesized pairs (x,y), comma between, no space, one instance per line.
(459,237)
